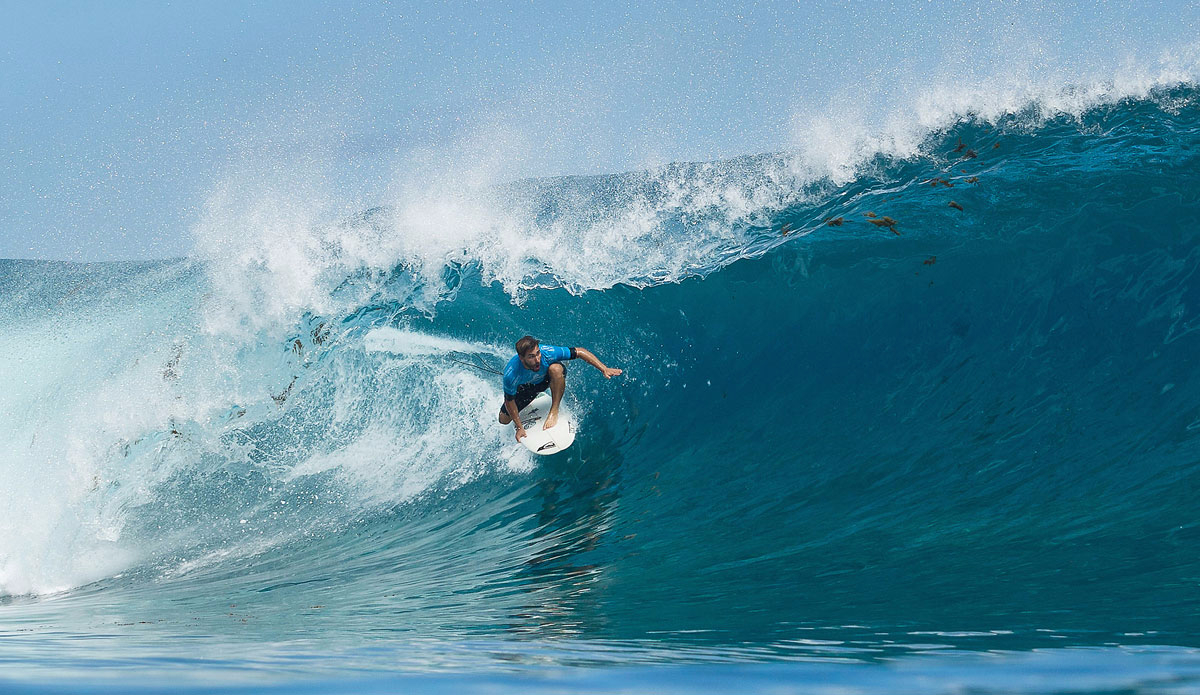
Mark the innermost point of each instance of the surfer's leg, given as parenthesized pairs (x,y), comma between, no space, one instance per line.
(558,383)
(522,399)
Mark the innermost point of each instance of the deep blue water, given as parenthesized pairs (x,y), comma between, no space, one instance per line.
(958,452)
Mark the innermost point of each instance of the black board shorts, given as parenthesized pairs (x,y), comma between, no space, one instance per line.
(527,392)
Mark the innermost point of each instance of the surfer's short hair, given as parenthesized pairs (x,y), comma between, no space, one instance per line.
(526,345)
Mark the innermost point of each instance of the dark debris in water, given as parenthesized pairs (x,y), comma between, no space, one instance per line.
(946,180)
(887,222)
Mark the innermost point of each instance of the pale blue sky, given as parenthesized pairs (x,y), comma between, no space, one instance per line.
(117,118)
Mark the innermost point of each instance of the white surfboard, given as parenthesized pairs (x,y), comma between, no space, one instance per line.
(550,441)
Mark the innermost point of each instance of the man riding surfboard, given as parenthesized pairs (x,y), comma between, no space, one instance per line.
(533,370)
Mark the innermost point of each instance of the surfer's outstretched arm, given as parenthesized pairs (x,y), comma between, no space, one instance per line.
(591,359)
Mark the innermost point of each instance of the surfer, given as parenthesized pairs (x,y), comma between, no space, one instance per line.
(533,370)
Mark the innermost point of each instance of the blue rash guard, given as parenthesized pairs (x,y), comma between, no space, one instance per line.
(516,375)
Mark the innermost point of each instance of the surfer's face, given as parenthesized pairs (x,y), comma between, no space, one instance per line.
(532,359)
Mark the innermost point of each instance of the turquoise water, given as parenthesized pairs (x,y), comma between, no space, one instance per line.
(957,452)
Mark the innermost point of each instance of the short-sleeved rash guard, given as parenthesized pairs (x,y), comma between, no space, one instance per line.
(516,375)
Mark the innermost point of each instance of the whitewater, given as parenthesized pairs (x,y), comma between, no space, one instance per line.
(907,408)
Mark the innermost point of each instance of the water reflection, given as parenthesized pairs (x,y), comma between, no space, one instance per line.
(564,577)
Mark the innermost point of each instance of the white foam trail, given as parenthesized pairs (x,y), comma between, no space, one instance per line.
(413,343)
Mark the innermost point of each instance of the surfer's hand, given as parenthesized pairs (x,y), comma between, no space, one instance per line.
(520,433)
(609,372)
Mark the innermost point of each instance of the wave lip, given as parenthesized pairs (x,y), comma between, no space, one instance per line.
(274,248)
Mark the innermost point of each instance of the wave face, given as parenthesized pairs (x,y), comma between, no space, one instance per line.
(971,426)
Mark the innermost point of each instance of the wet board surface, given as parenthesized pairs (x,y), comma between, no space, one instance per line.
(550,441)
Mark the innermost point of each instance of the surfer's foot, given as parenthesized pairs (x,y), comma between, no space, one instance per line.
(551,419)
